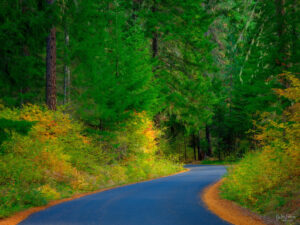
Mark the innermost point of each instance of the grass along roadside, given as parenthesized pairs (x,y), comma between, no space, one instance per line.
(20,216)
(213,161)
(263,183)
(267,180)
(55,158)
(226,209)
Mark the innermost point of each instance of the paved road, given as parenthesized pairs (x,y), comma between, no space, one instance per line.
(171,200)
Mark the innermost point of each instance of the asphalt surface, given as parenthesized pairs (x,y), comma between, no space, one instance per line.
(173,200)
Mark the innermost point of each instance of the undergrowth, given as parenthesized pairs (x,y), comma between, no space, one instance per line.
(268,180)
(47,155)
(212,161)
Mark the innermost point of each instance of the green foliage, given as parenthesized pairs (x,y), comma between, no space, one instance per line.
(185,59)
(144,81)
(23,30)
(255,43)
(113,71)
(7,126)
(56,159)
(266,180)
(219,162)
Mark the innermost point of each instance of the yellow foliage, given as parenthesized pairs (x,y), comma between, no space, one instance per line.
(54,159)
(293,91)
(279,158)
(49,124)
(139,135)
(118,174)
(48,192)
(150,133)
(79,181)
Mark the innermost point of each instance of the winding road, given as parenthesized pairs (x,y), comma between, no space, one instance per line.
(173,200)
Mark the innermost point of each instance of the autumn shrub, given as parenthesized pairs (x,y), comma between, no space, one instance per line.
(268,178)
(138,136)
(47,155)
(139,144)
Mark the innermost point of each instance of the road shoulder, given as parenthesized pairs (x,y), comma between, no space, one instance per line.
(20,216)
(228,210)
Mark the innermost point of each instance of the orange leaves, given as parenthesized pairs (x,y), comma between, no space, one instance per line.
(283,131)
(49,139)
(139,135)
(293,91)
(49,192)
(151,135)
(50,125)
(279,158)
(55,159)
(85,140)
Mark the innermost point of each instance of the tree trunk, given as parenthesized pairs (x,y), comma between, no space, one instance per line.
(194,147)
(154,44)
(280,13)
(117,41)
(25,54)
(67,73)
(21,96)
(294,35)
(155,35)
(208,139)
(51,67)
(184,148)
(200,152)
(136,4)
(281,30)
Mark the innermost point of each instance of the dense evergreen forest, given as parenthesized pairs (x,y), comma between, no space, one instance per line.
(201,69)
(134,88)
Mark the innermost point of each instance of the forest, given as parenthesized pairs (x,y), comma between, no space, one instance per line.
(98,93)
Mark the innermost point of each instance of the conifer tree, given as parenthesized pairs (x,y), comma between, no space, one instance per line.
(23,28)
(113,65)
(51,66)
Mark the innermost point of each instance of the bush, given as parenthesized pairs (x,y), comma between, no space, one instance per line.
(46,155)
(266,179)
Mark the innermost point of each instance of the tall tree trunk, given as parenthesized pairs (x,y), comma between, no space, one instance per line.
(294,34)
(25,54)
(51,67)
(155,52)
(117,41)
(154,44)
(21,96)
(281,30)
(280,13)
(200,152)
(136,5)
(184,141)
(194,146)
(155,35)
(208,139)
(67,73)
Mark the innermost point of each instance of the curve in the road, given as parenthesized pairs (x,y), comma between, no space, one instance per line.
(172,200)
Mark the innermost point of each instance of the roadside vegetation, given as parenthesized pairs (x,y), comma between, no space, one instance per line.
(268,180)
(47,155)
(218,162)
(96,93)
